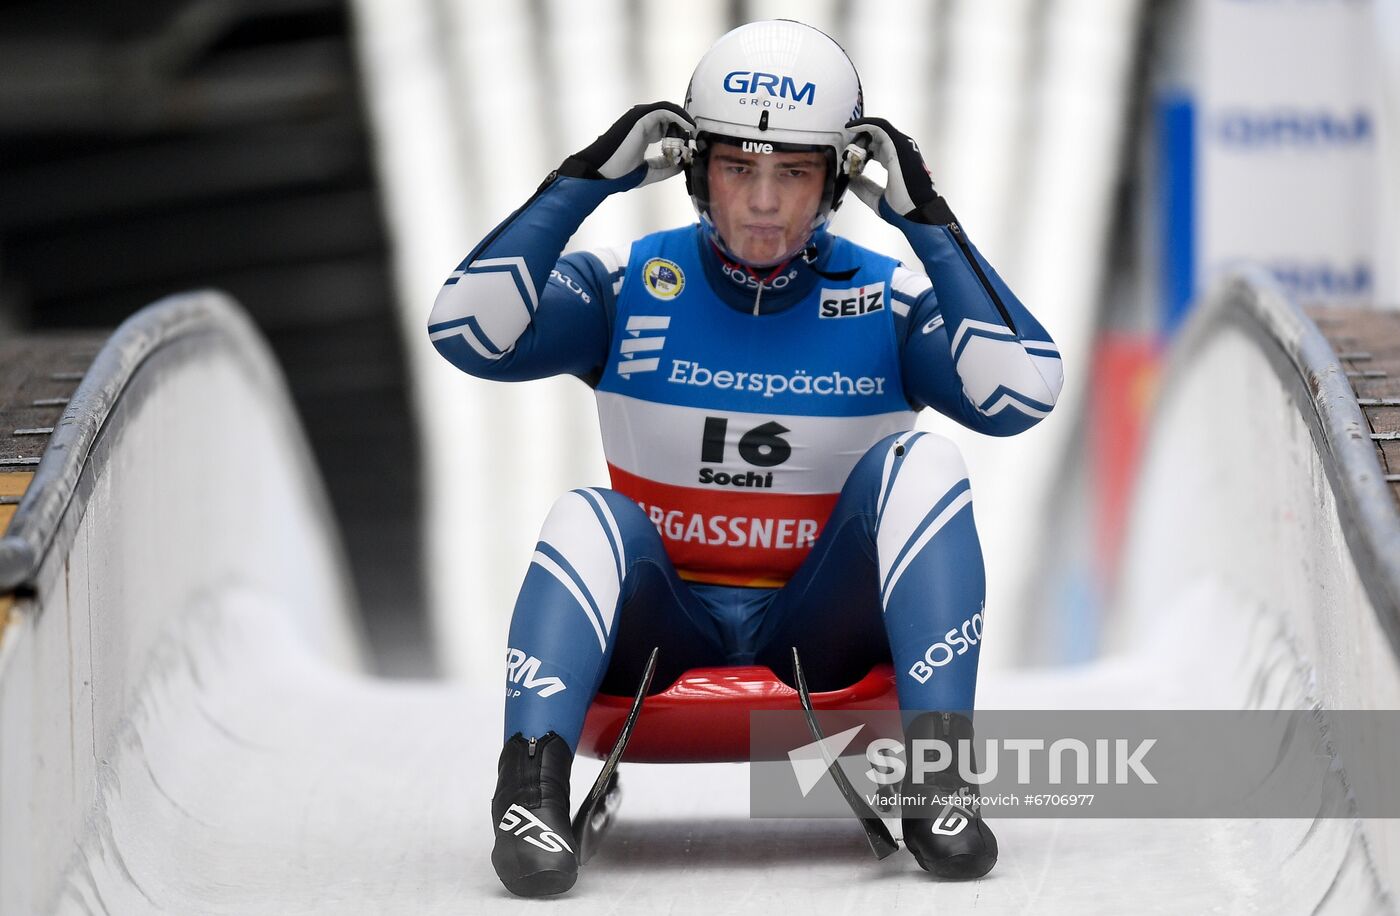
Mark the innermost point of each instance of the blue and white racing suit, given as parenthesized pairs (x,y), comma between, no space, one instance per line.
(767,488)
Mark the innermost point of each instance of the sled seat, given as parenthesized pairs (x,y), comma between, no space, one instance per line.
(704,716)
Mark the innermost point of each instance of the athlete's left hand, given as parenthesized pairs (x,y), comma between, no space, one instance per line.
(909,187)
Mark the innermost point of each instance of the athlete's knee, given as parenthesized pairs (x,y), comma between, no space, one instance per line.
(624,509)
(923,488)
(586,509)
(914,467)
(933,457)
(582,538)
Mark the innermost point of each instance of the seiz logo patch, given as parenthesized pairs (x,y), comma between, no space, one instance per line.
(518,822)
(852,303)
(663,278)
(635,343)
(524,670)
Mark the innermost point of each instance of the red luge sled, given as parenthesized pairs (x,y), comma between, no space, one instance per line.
(704,716)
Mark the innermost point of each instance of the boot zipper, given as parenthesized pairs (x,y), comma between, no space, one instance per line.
(977,268)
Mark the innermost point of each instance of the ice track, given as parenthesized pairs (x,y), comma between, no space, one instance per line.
(186,725)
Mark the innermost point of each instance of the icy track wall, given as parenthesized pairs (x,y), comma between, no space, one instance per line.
(1261,484)
(178,475)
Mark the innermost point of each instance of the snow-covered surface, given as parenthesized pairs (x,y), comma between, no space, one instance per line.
(253,777)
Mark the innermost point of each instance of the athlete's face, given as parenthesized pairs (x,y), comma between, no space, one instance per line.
(763,203)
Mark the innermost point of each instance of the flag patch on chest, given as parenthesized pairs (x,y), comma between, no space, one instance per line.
(663,279)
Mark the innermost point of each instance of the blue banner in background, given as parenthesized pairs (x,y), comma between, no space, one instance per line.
(1176,198)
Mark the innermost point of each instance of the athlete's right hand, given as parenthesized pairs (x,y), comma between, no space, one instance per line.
(622,149)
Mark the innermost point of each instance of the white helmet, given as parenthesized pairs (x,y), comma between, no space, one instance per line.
(779,82)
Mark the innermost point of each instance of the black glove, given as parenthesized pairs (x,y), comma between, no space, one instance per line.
(622,149)
(909,190)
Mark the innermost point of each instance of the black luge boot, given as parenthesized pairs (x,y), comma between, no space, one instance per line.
(534,854)
(950,840)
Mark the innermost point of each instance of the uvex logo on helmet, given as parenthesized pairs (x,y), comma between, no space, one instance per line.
(749,82)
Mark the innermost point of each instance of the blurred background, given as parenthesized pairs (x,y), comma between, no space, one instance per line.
(329,162)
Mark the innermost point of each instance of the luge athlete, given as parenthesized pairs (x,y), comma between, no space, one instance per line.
(757,380)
